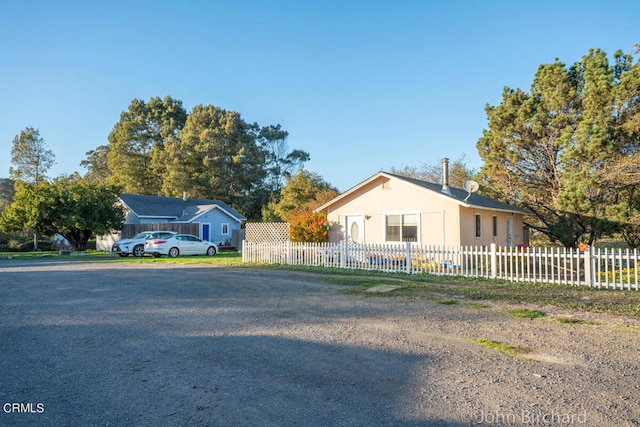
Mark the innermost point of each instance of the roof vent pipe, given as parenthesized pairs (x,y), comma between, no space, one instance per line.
(184,196)
(445,177)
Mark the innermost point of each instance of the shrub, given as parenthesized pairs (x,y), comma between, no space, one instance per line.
(27,245)
(309,227)
(615,273)
(17,246)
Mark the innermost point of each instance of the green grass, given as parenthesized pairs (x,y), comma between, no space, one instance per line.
(509,350)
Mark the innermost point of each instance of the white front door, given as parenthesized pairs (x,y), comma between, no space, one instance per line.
(354,232)
(509,231)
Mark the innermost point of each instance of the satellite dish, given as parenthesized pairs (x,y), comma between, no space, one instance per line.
(470,187)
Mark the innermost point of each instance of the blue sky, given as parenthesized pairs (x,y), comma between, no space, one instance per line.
(363,86)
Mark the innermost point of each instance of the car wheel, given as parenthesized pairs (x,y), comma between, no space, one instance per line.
(174,252)
(123,255)
(138,251)
(157,255)
(211,251)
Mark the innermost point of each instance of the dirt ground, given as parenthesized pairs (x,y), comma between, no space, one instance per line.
(158,344)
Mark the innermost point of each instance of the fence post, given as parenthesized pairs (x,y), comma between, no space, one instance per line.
(343,254)
(494,261)
(244,253)
(588,271)
(407,257)
(287,248)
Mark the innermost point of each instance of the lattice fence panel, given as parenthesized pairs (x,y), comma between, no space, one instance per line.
(267,232)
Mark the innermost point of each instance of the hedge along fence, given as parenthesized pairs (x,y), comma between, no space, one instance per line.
(611,269)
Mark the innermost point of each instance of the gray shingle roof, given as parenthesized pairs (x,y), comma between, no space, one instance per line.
(173,207)
(459,194)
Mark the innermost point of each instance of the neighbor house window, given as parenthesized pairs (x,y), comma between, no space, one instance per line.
(401,228)
(495,226)
(478,225)
(225,229)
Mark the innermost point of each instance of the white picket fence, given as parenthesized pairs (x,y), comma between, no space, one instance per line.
(599,268)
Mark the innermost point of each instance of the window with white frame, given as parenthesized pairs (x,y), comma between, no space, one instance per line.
(401,228)
(224,229)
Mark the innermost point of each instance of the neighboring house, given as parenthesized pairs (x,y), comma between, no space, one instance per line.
(388,208)
(216,219)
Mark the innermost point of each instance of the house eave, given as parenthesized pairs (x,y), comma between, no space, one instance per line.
(229,214)
(486,208)
(430,191)
(351,190)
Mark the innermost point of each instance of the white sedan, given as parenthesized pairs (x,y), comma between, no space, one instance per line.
(135,245)
(180,244)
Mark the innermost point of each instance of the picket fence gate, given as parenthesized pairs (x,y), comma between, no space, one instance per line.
(598,268)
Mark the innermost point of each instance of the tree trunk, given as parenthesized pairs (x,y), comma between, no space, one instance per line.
(78,239)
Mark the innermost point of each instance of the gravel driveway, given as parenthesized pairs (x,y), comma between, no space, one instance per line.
(125,344)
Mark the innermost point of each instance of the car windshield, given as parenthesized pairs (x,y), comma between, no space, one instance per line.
(141,236)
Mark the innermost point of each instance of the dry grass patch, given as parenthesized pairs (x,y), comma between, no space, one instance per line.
(628,328)
(447,301)
(524,313)
(574,321)
(509,350)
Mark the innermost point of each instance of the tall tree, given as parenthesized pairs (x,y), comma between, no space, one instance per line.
(546,150)
(97,164)
(78,209)
(135,154)
(622,177)
(33,160)
(459,172)
(157,148)
(70,206)
(26,213)
(216,156)
(622,174)
(304,191)
(280,162)
(7,191)
(31,157)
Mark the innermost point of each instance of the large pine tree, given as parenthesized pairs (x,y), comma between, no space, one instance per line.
(547,150)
